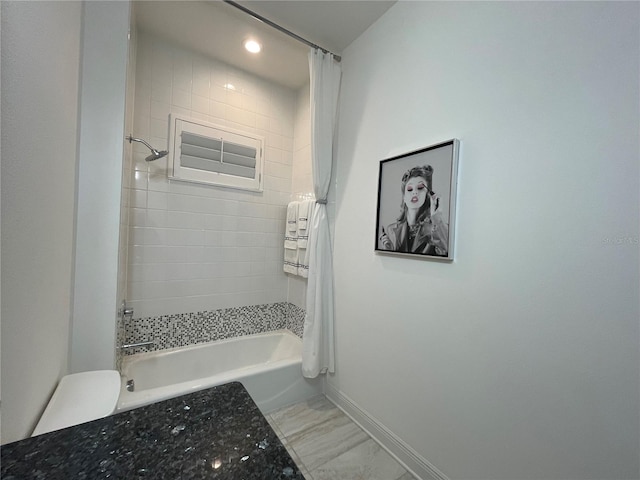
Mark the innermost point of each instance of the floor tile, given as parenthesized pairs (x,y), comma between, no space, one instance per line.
(407,476)
(327,445)
(327,440)
(304,415)
(366,461)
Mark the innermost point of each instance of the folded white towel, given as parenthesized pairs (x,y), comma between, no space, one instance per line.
(292,216)
(291,260)
(291,239)
(290,269)
(303,262)
(290,243)
(305,211)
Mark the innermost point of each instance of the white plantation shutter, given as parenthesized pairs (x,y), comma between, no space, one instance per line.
(207,153)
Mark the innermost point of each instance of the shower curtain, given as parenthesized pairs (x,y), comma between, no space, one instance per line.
(318,339)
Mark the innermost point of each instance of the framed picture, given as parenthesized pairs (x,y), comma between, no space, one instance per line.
(417,202)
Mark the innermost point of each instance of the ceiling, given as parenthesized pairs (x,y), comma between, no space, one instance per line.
(218,30)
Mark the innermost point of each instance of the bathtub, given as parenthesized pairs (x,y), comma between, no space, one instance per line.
(267,364)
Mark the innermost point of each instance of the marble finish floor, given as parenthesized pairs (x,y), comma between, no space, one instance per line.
(327,445)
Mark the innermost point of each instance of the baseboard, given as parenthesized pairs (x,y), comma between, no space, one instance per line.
(403,453)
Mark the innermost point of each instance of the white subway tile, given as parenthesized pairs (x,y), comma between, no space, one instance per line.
(155,254)
(257,268)
(136,254)
(159,128)
(228,239)
(176,255)
(184,220)
(216,109)
(136,236)
(244,239)
(233,114)
(160,110)
(218,93)
(230,207)
(195,254)
(231,253)
(138,198)
(273,268)
(210,269)
(155,236)
(201,79)
(249,103)
(160,91)
(287,143)
(218,74)
(248,119)
(182,78)
(158,183)
(229,223)
(241,269)
(263,105)
(262,122)
(200,104)
(156,218)
(139,181)
(183,112)
(212,238)
(157,200)
(181,98)
(138,217)
(274,140)
(205,117)
(234,99)
(158,167)
(211,254)
(287,157)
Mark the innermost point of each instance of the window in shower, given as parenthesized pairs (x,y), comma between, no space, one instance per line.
(202,152)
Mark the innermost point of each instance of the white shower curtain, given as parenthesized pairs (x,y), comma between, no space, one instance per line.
(317,340)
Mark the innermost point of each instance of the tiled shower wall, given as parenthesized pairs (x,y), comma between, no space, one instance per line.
(302,182)
(197,248)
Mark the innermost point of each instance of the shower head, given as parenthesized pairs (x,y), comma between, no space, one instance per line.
(155,154)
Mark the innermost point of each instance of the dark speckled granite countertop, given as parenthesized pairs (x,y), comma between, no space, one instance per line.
(215,433)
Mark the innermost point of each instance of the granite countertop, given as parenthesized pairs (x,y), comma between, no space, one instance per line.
(215,433)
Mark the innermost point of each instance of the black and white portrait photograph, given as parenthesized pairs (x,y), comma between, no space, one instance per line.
(416,202)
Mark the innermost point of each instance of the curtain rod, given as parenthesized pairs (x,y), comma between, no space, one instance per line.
(279,28)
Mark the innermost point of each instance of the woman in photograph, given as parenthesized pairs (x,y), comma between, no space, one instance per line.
(420,227)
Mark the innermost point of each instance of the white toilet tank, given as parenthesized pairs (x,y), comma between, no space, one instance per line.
(79,398)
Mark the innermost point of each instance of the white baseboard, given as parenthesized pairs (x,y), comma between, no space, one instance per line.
(403,453)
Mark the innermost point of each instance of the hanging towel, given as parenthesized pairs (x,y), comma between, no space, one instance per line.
(291,260)
(305,211)
(305,208)
(291,239)
(303,262)
(292,217)
(291,230)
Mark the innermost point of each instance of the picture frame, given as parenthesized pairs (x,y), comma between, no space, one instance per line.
(416,208)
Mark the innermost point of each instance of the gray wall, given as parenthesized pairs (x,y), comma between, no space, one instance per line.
(519,360)
(40,65)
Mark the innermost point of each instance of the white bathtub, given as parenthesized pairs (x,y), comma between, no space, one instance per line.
(267,364)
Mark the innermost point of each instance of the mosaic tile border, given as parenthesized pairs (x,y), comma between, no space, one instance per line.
(179,330)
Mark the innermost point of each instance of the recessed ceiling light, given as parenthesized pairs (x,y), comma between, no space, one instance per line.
(252,46)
